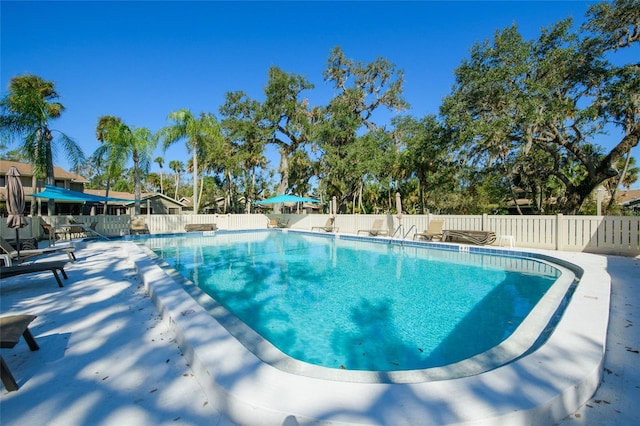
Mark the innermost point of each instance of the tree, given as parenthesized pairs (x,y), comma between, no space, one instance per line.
(110,132)
(141,147)
(197,131)
(287,118)
(283,119)
(119,142)
(425,154)
(243,129)
(14,155)
(217,156)
(342,127)
(26,112)
(160,162)
(178,168)
(628,177)
(152,182)
(550,98)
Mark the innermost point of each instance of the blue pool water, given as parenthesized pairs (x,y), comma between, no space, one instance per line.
(359,305)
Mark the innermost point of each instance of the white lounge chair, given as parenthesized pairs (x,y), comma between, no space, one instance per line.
(376,229)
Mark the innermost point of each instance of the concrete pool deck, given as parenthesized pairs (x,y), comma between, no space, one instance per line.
(106,357)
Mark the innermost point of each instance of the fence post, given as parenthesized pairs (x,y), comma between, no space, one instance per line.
(560,225)
(485,222)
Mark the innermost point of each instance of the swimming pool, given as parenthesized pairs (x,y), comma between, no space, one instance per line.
(411,312)
(540,387)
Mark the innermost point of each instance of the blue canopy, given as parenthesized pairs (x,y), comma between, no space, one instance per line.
(61,194)
(286,198)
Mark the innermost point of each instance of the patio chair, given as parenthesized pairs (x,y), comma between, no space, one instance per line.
(433,232)
(28,268)
(376,229)
(11,328)
(24,254)
(139,226)
(328,227)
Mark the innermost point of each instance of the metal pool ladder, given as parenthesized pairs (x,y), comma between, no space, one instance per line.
(400,230)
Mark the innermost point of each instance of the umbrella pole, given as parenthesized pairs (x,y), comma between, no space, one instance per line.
(18,243)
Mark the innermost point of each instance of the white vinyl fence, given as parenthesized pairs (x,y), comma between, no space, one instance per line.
(595,234)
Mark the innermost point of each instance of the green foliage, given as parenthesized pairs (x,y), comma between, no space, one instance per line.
(535,106)
(119,143)
(25,113)
(178,168)
(354,149)
(520,122)
(202,134)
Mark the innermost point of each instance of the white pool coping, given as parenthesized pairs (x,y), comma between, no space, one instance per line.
(541,388)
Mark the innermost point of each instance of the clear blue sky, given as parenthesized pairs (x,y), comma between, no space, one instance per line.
(141,60)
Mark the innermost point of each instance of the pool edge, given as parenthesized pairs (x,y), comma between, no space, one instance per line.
(249,391)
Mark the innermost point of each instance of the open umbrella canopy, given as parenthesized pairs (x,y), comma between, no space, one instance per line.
(286,198)
(61,194)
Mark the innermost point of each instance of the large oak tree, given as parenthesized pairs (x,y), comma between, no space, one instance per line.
(352,144)
(547,100)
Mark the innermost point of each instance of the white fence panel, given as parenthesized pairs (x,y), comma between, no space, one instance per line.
(596,234)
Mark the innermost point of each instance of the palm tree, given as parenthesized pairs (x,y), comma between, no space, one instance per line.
(110,132)
(197,131)
(26,112)
(160,162)
(143,142)
(121,142)
(177,167)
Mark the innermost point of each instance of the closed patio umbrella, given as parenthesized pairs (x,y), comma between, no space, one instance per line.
(15,204)
(399,205)
(334,206)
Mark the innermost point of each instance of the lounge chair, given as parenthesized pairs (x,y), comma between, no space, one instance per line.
(82,230)
(24,254)
(200,227)
(76,230)
(138,226)
(433,232)
(277,223)
(52,233)
(27,243)
(376,229)
(474,237)
(328,227)
(28,268)
(11,328)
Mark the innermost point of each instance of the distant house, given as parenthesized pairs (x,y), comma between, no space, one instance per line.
(151,203)
(63,179)
(629,200)
(187,202)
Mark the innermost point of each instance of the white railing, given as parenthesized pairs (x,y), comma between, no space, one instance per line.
(596,234)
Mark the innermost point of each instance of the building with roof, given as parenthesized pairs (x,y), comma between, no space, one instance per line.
(31,185)
(151,203)
(629,200)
